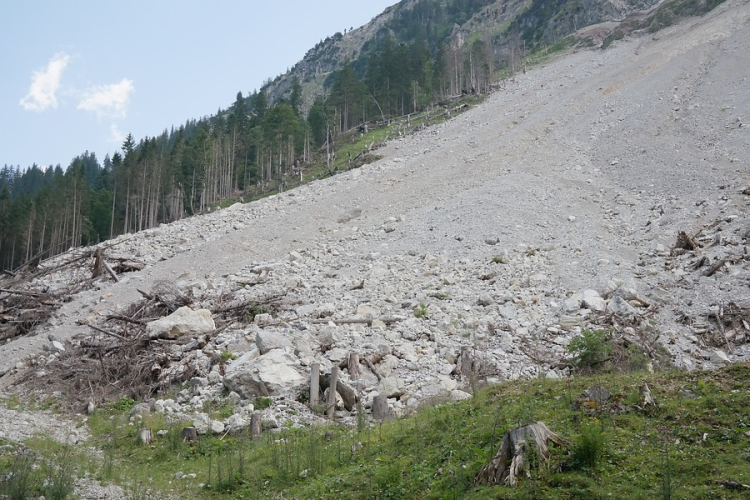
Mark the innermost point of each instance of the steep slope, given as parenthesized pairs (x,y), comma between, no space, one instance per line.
(577,175)
(452,24)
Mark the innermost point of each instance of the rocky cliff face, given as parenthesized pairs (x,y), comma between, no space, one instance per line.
(544,23)
(574,15)
(326,57)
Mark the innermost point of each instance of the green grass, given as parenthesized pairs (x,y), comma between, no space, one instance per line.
(685,448)
(43,468)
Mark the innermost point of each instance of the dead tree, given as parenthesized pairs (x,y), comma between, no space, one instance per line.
(512,457)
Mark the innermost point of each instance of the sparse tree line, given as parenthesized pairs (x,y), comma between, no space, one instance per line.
(247,149)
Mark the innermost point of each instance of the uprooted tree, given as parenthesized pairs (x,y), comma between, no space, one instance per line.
(517,446)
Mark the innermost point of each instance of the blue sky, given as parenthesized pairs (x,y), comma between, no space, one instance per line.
(79,75)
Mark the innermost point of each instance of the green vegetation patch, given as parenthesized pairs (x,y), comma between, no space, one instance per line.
(693,444)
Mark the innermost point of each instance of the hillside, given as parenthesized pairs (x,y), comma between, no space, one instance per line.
(452,27)
(417,63)
(474,250)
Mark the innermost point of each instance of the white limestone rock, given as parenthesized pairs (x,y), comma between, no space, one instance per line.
(183,322)
(592,300)
(272,374)
(268,340)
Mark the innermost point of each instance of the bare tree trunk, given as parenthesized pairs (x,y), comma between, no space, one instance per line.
(40,251)
(314,384)
(126,224)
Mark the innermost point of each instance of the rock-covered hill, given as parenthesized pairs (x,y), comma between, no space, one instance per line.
(477,248)
(450,24)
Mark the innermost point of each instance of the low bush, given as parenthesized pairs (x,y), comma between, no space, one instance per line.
(590,350)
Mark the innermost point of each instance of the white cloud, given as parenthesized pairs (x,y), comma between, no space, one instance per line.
(44,85)
(116,136)
(108,100)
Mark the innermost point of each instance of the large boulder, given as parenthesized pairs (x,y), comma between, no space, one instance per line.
(594,301)
(272,374)
(620,308)
(184,321)
(203,424)
(391,387)
(267,340)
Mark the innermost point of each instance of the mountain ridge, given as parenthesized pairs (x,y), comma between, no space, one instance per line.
(493,20)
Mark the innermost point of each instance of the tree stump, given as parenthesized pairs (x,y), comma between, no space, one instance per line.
(98,263)
(189,434)
(145,436)
(255,425)
(467,365)
(314,385)
(331,402)
(510,460)
(685,242)
(353,366)
(648,398)
(380,408)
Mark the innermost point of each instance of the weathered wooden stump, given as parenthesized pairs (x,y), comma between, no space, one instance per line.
(189,434)
(314,385)
(353,366)
(145,436)
(380,408)
(256,427)
(510,460)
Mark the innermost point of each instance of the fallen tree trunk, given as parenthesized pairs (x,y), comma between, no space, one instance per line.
(715,267)
(510,460)
(357,321)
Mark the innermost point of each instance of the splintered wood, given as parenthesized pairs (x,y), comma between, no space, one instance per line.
(686,242)
(118,359)
(517,446)
(27,301)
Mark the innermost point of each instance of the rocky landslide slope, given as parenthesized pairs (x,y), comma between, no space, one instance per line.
(478,248)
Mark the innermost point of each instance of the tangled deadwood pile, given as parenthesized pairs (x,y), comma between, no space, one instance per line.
(22,310)
(26,301)
(28,297)
(119,359)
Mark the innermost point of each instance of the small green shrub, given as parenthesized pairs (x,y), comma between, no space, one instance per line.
(138,491)
(420,311)
(588,452)
(666,474)
(617,34)
(262,403)
(637,360)
(227,356)
(59,476)
(123,405)
(19,483)
(590,350)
